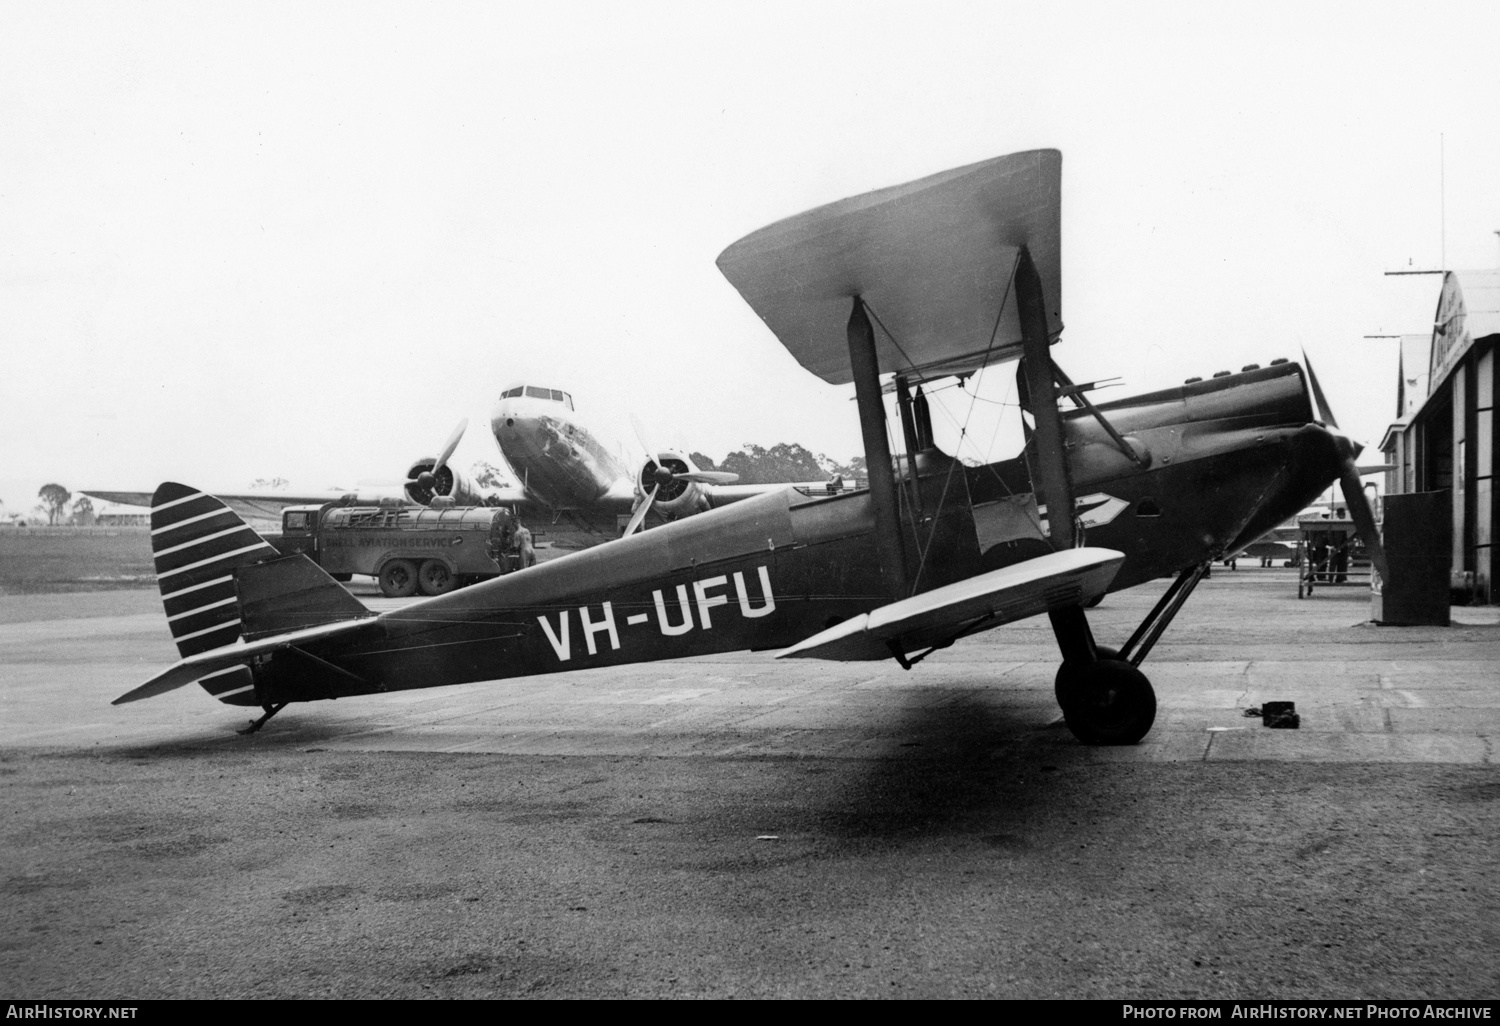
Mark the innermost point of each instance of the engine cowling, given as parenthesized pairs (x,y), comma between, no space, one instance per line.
(449,481)
(674,498)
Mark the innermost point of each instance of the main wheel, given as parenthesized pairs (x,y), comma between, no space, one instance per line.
(1108,702)
(398,579)
(435,578)
(1062,687)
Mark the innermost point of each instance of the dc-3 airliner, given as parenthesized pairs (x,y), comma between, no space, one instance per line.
(918,282)
(572,487)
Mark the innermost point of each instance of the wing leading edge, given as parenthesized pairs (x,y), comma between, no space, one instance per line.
(259,507)
(1058,579)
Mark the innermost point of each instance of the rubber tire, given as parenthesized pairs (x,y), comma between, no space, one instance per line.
(1061,683)
(435,578)
(398,579)
(1106,703)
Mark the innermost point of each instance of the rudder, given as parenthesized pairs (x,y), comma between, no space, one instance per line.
(197,543)
(222,583)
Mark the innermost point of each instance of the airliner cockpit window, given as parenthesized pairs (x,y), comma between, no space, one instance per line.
(568,400)
(557,396)
(532,392)
(508,393)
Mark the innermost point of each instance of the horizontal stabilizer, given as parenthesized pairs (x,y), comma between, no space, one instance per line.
(204,663)
(1059,579)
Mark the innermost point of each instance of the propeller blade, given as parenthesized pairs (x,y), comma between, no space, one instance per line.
(453,441)
(707,477)
(1364,517)
(652,452)
(639,515)
(1318,397)
(664,472)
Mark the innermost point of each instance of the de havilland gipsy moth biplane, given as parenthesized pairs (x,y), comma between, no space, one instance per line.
(929,280)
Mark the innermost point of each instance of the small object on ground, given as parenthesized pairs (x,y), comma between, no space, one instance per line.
(768,837)
(1253,711)
(1281,715)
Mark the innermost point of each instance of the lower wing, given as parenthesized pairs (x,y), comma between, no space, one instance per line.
(938,617)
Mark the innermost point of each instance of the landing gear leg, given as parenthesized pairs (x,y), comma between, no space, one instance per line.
(1162,614)
(271,710)
(1105,700)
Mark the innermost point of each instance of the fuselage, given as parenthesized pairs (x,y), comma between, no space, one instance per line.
(1228,459)
(554,456)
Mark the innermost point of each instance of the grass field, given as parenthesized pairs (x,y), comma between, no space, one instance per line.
(63,559)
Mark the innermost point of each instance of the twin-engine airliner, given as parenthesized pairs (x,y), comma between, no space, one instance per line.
(570,486)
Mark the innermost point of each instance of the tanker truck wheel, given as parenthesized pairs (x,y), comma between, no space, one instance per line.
(398,579)
(435,578)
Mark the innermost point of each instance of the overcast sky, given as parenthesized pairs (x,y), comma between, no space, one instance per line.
(303,240)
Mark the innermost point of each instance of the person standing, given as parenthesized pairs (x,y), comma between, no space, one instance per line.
(524,550)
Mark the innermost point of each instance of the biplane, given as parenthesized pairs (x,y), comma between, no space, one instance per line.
(897,288)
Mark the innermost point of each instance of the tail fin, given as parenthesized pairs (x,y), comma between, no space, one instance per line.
(219,583)
(198,542)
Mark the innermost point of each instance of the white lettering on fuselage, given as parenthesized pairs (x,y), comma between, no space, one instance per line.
(590,628)
(706,601)
(703,599)
(768,604)
(661,612)
(564,652)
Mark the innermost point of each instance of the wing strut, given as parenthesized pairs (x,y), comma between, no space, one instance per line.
(909,434)
(866,370)
(1083,400)
(1049,470)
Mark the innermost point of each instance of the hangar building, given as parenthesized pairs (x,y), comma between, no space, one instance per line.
(1445,436)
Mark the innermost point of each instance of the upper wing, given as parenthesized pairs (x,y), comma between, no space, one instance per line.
(932,259)
(1058,579)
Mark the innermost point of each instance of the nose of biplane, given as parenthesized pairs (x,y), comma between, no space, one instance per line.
(1346,454)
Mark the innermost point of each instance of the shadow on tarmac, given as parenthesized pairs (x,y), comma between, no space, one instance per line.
(971,767)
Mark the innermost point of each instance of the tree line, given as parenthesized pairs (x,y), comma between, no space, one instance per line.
(785,461)
(55,507)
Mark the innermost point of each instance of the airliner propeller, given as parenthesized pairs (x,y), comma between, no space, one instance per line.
(659,465)
(1349,477)
(427,479)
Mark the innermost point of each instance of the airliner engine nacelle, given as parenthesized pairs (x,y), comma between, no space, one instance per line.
(674,497)
(449,481)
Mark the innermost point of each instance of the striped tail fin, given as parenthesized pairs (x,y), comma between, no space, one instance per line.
(198,542)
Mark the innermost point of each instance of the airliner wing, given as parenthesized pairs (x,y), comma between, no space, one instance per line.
(510,495)
(1058,579)
(720,495)
(264,507)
